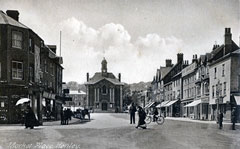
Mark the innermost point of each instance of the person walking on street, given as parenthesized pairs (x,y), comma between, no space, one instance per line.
(155,114)
(234,118)
(62,117)
(142,115)
(86,112)
(220,120)
(132,111)
(30,118)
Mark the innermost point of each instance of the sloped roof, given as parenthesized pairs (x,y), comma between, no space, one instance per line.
(99,77)
(5,19)
(221,48)
(164,71)
(73,92)
(218,49)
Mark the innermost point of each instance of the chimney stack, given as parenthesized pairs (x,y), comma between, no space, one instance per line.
(194,58)
(119,77)
(228,41)
(168,63)
(13,14)
(87,77)
(179,57)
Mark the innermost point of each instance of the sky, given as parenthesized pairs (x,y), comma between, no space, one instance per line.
(135,36)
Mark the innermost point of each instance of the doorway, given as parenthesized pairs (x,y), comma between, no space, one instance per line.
(104,106)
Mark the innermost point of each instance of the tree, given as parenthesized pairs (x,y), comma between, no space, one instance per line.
(72,85)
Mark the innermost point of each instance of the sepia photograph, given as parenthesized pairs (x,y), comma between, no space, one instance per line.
(119,74)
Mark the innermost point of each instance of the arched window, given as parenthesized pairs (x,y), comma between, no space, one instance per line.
(104,89)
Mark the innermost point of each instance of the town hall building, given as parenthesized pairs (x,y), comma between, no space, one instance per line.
(104,91)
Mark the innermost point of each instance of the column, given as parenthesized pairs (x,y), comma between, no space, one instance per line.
(121,102)
(95,95)
(110,90)
(87,102)
(113,100)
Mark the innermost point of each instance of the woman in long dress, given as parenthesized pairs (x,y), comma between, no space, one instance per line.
(142,116)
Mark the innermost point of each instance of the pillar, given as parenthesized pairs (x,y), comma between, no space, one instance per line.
(121,101)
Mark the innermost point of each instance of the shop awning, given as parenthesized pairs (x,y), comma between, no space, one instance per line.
(237,99)
(170,103)
(149,105)
(162,104)
(194,103)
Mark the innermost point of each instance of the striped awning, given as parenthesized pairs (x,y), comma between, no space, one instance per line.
(170,103)
(149,105)
(162,104)
(194,103)
(237,99)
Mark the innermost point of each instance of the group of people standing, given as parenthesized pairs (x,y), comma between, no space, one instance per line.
(141,113)
(233,118)
(66,116)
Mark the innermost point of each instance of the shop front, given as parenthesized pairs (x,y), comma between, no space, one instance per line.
(173,108)
(48,103)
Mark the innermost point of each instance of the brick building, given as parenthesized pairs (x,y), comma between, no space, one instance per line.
(104,91)
(51,81)
(20,68)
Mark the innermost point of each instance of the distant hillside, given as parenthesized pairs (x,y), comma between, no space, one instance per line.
(139,86)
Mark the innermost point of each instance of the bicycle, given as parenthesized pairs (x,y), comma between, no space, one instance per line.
(159,119)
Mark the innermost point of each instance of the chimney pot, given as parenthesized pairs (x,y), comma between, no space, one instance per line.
(119,77)
(87,77)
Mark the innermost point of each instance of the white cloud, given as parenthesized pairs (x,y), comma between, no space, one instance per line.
(136,60)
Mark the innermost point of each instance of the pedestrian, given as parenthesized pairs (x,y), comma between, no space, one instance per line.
(155,114)
(142,116)
(234,117)
(220,120)
(86,112)
(62,117)
(30,118)
(65,115)
(132,111)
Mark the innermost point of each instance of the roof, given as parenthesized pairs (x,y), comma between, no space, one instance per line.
(99,77)
(75,92)
(5,19)
(215,51)
(164,71)
(236,52)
